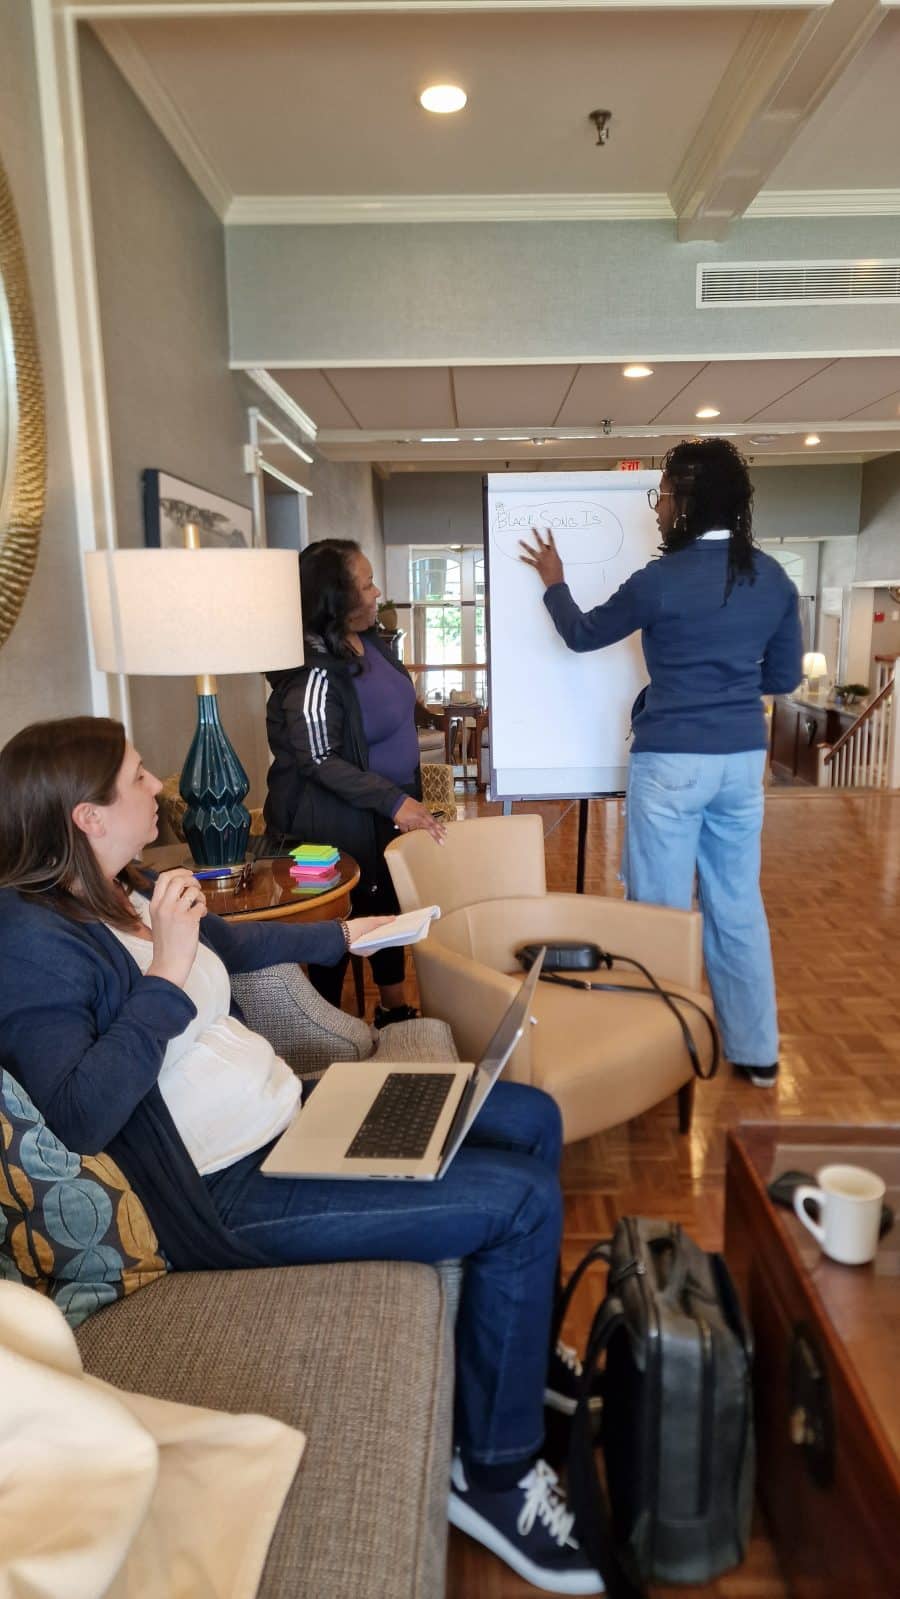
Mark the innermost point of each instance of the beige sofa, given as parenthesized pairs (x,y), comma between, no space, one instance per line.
(604,1057)
(359,1356)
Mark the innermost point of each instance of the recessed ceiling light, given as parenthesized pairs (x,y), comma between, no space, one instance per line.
(637,371)
(705,412)
(439,438)
(513,438)
(477,438)
(443,98)
(812,438)
(765,438)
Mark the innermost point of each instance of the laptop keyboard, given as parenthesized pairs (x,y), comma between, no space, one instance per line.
(402,1117)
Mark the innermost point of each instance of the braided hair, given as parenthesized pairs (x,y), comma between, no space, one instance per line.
(712,489)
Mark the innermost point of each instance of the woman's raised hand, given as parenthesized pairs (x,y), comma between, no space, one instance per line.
(413,815)
(544,557)
(176,909)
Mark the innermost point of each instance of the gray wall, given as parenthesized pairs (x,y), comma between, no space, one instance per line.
(346,504)
(44,664)
(878,555)
(521,291)
(837,567)
(433,508)
(806,501)
(173,403)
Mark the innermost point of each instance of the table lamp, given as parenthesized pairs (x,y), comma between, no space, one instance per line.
(815,669)
(195,613)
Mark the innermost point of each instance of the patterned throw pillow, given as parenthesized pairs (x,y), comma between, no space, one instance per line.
(70,1225)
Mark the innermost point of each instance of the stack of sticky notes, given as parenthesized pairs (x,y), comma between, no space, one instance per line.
(316,867)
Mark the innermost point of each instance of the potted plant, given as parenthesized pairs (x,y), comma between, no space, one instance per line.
(387,615)
(851,693)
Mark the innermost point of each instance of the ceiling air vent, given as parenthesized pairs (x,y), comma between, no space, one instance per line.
(799,283)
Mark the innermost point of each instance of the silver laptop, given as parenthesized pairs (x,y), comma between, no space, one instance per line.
(402,1120)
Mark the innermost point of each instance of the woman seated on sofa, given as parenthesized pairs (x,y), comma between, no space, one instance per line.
(116,1018)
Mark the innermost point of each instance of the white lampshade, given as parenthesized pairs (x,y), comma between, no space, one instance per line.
(814,665)
(182,613)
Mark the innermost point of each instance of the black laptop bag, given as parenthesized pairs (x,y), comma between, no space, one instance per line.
(677,1423)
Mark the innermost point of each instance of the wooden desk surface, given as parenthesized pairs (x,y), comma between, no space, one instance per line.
(272,895)
(826,1366)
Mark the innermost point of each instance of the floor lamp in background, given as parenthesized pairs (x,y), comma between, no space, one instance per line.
(199,613)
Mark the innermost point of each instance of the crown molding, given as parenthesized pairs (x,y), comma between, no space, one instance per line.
(280,397)
(128,56)
(138,9)
(825,202)
(311,210)
(323,210)
(354,210)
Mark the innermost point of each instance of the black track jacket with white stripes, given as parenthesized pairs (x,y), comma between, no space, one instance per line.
(320,788)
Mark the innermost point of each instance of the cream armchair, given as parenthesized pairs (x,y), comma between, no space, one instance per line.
(603,1057)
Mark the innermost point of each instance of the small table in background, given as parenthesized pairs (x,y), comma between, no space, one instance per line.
(456,714)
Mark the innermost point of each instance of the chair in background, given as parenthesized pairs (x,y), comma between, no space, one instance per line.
(430,733)
(308,1033)
(465,728)
(438,792)
(604,1057)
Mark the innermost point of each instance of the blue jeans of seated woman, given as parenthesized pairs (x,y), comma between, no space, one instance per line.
(700,816)
(499,1206)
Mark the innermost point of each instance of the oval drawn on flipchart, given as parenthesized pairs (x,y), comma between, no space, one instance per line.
(586,534)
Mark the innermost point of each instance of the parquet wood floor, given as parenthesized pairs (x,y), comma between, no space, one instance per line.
(831,882)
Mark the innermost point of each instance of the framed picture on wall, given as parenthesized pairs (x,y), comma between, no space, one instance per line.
(169,503)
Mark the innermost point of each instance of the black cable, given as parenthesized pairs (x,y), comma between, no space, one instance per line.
(666,995)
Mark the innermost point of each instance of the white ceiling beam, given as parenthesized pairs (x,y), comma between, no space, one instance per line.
(120,43)
(777,78)
(248,8)
(622,430)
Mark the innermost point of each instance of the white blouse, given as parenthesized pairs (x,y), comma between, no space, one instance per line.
(227,1091)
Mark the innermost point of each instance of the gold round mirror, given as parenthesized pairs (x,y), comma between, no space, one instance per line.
(22,435)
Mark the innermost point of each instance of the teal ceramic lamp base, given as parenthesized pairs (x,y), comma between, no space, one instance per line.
(213,783)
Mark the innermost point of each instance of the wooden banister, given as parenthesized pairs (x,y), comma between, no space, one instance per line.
(867,713)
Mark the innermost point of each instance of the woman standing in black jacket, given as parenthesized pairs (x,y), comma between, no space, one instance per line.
(346,755)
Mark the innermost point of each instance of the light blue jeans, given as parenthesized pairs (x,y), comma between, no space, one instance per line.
(700,816)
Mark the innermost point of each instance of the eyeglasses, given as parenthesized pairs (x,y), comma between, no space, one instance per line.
(655,495)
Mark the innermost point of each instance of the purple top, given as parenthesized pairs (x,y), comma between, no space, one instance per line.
(387,701)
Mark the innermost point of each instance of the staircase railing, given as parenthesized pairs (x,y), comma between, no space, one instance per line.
(868,754)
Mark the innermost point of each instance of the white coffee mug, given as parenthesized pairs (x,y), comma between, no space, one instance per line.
(849,1199)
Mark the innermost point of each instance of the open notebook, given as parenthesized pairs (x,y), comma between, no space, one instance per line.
(406,929)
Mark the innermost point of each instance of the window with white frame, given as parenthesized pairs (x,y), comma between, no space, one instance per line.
(446,639)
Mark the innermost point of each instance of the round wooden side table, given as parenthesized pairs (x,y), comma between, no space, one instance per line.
(272,894)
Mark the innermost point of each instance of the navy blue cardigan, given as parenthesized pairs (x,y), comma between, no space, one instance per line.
(85,1033)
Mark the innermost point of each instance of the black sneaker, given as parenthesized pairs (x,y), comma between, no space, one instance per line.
(759,1076)
(564,1382)
(529,1526)
(397,1013)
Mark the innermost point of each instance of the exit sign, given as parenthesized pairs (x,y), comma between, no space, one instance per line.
(629,466)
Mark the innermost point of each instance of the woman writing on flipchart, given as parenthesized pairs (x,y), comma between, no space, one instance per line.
(719,628)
